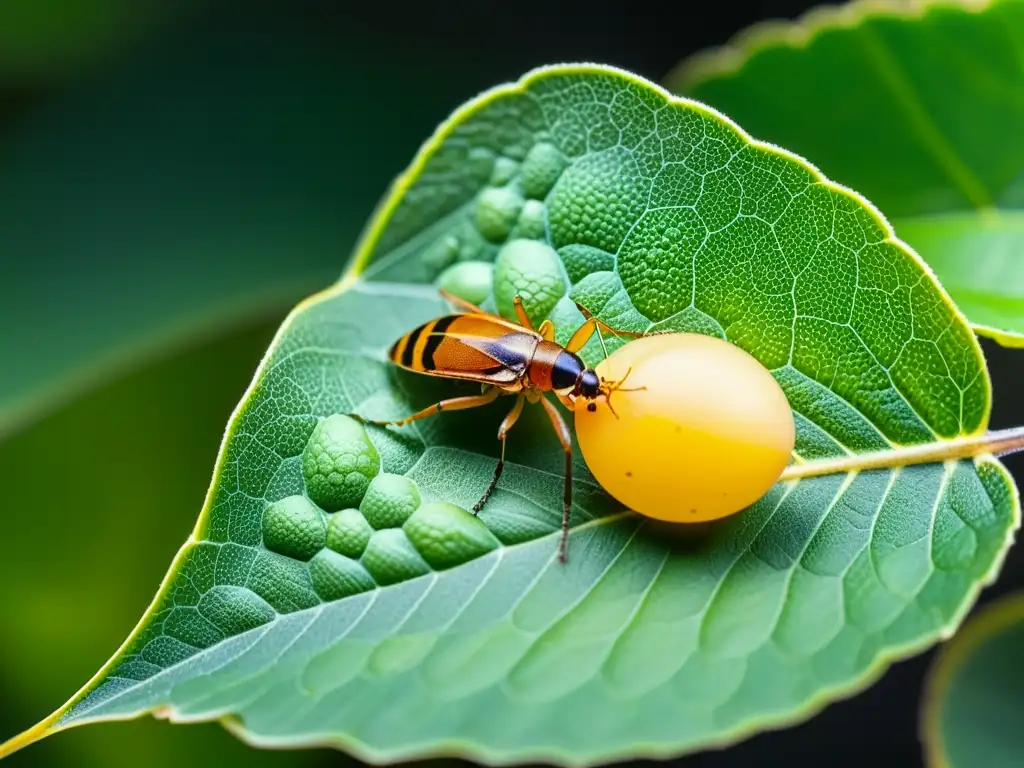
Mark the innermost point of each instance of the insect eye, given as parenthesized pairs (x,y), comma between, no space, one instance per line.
(591,407)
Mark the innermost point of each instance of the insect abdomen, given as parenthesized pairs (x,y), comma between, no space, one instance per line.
(416,349)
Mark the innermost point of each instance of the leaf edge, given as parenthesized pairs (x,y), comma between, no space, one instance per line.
(730,57)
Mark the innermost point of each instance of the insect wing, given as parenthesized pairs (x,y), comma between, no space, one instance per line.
(471,346)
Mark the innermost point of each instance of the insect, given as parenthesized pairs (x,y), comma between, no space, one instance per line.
(509,359)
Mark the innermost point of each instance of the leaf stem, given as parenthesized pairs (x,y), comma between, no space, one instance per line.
(998,443)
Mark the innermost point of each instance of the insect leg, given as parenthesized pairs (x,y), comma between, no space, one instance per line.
(547,330)
(604,326)
(524,319)
(462,304)
(565,438)
(451,404)
(503,430)
(581,336)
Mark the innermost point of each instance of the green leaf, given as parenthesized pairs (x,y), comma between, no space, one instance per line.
(650,640)
(971,713)
(213,176)
(918,106)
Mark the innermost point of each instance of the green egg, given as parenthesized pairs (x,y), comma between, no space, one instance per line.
(348,533)
(543,165)
(294,527)
(338,463)
(583,260)
(234,610)
(389,501)
(391,558)
(335,576)
(469,280)
(497,209)
(447,535)
(505,168)
(441,253)
(533,270)
(531,224)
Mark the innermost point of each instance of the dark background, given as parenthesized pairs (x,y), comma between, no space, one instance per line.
(472,46)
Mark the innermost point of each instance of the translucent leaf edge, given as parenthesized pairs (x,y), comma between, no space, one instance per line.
(729,58)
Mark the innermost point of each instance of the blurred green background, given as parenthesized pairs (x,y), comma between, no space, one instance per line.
(174,176)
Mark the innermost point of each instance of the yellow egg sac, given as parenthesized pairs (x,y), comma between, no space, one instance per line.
(703,432)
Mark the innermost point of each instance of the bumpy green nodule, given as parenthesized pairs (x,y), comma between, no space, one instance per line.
(338,463)
(543,165)
(497,211)
(335,576)
(447,535)
(504,170)
(389,500)
(531,270)
(583,260)
(599,198)
(469,280)
(532,221)
(348,533)
(442,253)
(390,557)
(282,581)
(294,527)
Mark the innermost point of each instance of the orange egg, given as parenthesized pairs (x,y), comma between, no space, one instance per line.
(700,430)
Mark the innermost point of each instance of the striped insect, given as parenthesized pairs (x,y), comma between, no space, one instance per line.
(509,359)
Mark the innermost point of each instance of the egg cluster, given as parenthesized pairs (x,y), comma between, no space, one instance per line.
(501,240)
(356,527)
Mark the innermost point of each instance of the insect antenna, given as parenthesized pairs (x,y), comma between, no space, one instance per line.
(617,386)
(608,388)
(610,408)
